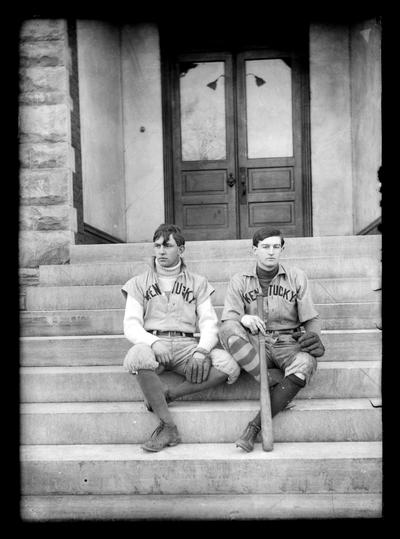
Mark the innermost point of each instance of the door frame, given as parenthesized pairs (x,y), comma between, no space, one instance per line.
(171,45)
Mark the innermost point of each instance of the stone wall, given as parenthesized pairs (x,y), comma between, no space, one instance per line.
(48,220)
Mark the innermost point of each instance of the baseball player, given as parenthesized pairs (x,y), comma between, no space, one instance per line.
(291,354)
(164,307)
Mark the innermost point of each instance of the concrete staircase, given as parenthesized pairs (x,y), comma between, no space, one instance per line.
(83,419)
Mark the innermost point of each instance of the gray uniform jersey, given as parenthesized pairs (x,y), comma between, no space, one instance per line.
(287,304)
(174,311)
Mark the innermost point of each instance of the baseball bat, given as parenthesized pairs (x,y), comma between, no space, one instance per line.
(267,436)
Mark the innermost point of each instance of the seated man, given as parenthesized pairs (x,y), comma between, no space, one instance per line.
(163,307)
(287,305)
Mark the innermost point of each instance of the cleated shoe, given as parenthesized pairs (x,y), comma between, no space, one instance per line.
(163,436)
(248,438)
(167,398)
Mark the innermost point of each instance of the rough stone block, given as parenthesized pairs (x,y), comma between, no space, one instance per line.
(43,30)
(47,123)
(45,187)
(53,217)
(44,98)
(44,53)
(44,247)
(29,276)
(40,155)
(44,79)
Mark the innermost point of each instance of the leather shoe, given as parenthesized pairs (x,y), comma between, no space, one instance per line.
(163,436)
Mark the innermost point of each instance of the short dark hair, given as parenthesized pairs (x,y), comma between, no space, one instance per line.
(266,232)
(165,230)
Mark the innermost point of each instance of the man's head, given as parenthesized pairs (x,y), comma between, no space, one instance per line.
(267,246)
(169,245)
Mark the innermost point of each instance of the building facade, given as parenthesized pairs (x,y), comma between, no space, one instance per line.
(125,126)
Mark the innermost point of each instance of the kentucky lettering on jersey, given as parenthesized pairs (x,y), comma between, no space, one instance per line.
(187,293)
(251,295)
(154,290)
(273,290)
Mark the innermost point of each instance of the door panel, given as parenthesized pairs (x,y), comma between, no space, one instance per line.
(269,150)
(204,166)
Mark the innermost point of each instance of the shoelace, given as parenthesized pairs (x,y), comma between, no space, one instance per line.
(254,427)
(157,430)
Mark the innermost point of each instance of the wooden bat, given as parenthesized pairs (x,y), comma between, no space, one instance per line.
(267,436)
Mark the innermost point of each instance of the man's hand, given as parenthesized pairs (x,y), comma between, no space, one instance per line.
(311,343)
(197,368)
(253,323)
(162,353)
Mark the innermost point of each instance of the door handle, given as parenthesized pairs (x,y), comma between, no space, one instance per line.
(243,180)
(231,180)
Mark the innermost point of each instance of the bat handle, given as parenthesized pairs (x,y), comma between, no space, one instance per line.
(265,400)
(260,306)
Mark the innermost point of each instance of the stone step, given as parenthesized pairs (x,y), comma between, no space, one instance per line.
(110,321)
(65,351)
(344,290)
(310,420)
(301,247)
(291,468)
(214,269)
(150,507)
(333,379)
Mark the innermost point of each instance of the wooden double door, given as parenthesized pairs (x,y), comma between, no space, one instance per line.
(239,145)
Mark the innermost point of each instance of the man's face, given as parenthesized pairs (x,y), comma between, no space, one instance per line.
(167,252)
(268,252)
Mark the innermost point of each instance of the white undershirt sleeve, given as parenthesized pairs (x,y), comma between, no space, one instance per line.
(208,325)
(133,323)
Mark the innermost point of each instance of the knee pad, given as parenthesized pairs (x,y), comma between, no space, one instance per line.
(225,363)
(140,356)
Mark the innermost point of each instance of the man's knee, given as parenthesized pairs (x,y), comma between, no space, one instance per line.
(225,363)
(231,328)
(304,364)
(140,356)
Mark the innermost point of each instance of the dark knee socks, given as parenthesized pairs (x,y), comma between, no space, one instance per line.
(153,391)
(282,394)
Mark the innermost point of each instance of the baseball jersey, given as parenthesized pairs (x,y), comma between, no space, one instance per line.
(287,305)
(176,311)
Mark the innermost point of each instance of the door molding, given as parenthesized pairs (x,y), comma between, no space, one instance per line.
(306,144)
(170,46)
(167,92)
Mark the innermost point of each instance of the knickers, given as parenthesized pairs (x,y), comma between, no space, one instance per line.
(284,353)
(141,356)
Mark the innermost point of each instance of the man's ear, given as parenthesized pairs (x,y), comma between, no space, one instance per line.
(181,249)
(254,249)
